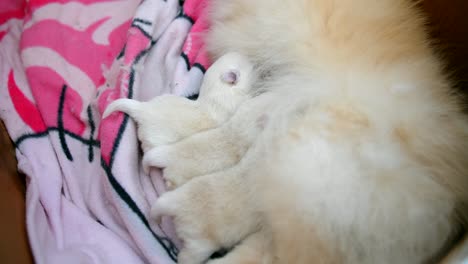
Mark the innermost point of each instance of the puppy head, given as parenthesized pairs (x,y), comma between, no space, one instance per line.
(230,76)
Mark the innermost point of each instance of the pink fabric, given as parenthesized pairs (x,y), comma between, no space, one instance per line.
(61,63)
(196,10)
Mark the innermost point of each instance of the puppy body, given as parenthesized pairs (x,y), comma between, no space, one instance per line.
(362,159)
(169,118)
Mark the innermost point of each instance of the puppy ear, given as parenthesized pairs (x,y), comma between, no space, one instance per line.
(231,77)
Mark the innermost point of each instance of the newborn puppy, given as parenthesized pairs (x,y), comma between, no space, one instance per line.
(169,118)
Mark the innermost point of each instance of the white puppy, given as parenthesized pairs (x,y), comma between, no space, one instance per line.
(169,118)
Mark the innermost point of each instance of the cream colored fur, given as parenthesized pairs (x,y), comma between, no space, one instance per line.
(352,148)
(168,118)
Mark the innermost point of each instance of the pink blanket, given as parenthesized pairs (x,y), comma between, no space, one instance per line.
(61,63)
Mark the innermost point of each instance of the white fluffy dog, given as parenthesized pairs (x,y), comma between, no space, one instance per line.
(351,147)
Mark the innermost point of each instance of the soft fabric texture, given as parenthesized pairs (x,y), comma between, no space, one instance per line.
(61,64)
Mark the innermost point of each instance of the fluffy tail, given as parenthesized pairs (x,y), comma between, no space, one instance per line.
(128,106)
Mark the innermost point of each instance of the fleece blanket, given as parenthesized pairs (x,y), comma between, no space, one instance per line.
(61,63)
